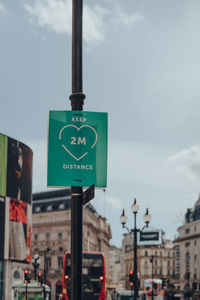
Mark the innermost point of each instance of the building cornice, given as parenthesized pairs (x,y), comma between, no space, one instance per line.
(188,237)
(51,194)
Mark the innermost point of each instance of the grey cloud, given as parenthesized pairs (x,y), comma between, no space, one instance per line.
(56,16)
(2,8)
(187,160)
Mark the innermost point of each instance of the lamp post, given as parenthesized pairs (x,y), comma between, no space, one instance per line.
(135,209)
(77,100)
(35,262)
(152,292)
(123,219)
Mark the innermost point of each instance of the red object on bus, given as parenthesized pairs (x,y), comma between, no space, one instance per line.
(94,277)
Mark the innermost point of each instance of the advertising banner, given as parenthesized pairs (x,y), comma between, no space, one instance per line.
(19,171)
(15,199)
(77,149)
(19,230)
(2,226)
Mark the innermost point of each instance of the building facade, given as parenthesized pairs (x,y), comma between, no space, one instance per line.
(153,261)
(187,248)
(116,267)
(51,234)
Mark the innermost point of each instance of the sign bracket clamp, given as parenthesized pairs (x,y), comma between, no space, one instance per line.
(88,194)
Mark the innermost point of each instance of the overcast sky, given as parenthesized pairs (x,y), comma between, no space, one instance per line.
(141,64)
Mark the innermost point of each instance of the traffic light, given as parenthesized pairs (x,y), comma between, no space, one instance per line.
(131,279)
(163,282)
(26,276)
(40,280)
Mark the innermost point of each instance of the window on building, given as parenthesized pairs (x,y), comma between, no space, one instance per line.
(168,272)
(60,236)
(168,254)
(48,236)
(187,262)
(156,262)
(195,229)
(187,230)
(160,271)
(37,209)
(60,262)
(156,254)
(187,244)
(195,257)
(146,253)
(61,206)
(48,262)
(160,253)
(60,249)
(35,238)
(195,243)
(168,263)
(49,207)
(16,275)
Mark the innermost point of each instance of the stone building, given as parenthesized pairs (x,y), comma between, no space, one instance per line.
(51,233)
(187,247)
(116,267)
(155,261)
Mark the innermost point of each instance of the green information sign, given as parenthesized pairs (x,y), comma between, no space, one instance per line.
(77,149)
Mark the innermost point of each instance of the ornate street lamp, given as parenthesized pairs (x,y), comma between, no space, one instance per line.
(36,262)
(123,220)
(147,217)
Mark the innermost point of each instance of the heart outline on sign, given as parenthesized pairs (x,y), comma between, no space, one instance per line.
(78,128)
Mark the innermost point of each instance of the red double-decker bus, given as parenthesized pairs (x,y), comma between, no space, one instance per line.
(93,269)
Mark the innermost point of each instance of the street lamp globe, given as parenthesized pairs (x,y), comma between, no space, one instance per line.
(39,261)
(147,217)
(123,218)
(134,207)
(35,256)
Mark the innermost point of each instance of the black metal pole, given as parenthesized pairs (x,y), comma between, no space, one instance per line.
(44,292)
(35,269)
(35,265)
(152,292)
(77,101)
(45,267)
(135,260)
(76,243)
(26,291)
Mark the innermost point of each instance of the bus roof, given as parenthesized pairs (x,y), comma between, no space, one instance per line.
(150,280)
